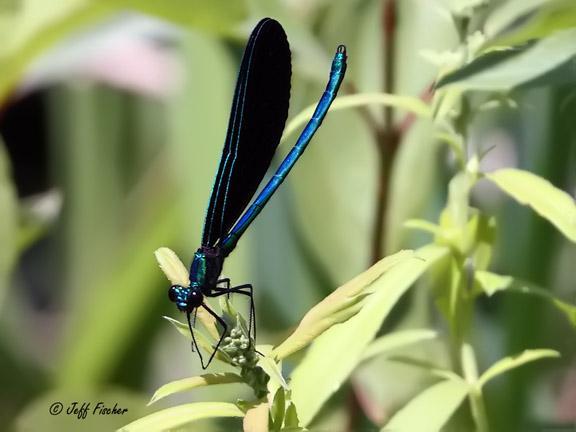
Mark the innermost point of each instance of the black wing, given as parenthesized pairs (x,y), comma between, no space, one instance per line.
(255,127)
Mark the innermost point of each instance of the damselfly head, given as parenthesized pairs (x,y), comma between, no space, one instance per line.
(186,298)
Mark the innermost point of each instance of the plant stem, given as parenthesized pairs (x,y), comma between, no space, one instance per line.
(387,138)
(470,370)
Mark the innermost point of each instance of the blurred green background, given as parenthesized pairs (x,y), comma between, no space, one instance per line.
(113,118)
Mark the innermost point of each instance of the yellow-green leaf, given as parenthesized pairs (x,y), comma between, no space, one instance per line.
(406,103)
(431,409)
(338,307)
(183,414)
(547,200)
(172,267)
(491,282)
(397,340)
(523,65)
(336,353)
(512,362)
(187,384)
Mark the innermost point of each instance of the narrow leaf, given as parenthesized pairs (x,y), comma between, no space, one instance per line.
(336,353)
(397,340)
(548,17)
(339,306)
(509,363)
(201,338)
(522,66)
(422,225)
(509,284)
(548,201)
(178,416)
(427,366)
(272,369)
(172,267)
(406,103)
(187,384)
(491,282)
(431,409)
(278,408)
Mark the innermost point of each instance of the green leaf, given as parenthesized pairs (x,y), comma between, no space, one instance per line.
(491,283)
(183,414)
(342,346)
(291,420)
(509,363)
(9,224)
(522,65)
(339,306)
(507,14)
(482,63)
(548,201)
(522,287)
(431,409)
(427,366)
(273,370)
(551,16)
(187,384)
(422,225)
(278,409)
(406,103)
(397,340)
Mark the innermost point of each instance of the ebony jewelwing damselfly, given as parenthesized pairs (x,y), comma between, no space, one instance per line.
(259,111)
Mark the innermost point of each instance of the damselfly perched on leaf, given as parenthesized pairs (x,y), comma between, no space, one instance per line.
(259,111)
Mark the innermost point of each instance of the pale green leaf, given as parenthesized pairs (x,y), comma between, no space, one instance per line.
(187,384)
(339,306)
(427,366)
(205,343)
(517,69)
(491,282)
(178,416)
(548,201)
(406,103)
(172,267)
(273,370)
(569,310)
(397,340)
(312,381)
(422,225)
(291,420)
(508,13)
(278,408)
(430,410)
(547,17)
(509,363)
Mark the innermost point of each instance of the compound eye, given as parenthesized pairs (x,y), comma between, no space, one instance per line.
(173,292)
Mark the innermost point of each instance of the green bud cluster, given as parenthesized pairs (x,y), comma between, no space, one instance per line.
(240,349)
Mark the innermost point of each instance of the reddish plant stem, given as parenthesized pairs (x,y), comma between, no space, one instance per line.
(387,141)
(388,137)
